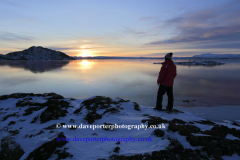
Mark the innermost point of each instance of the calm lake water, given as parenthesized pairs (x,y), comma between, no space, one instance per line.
(135,80)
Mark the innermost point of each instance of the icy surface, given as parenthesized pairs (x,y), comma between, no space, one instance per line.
(30,138)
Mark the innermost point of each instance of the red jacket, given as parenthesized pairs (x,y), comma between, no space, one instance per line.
(167,73)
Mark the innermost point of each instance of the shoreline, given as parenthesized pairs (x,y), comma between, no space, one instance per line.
(197,106)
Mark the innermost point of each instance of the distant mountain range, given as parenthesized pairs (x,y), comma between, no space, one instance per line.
(36,53)
(40,53)
(218,56)
(201,56)
(113,57)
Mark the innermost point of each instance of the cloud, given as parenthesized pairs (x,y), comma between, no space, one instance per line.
(227,45)
(175,54)
(60,48)
(12,4)
(153,18)
(74,47)
(6,36)
(139,34)
(220,25)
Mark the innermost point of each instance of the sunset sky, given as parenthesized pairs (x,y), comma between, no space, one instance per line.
(121,27)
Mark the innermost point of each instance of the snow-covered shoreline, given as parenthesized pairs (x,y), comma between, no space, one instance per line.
(194,63)
(28,123)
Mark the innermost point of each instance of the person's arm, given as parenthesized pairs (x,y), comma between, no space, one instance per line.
(161,74)
(175,73)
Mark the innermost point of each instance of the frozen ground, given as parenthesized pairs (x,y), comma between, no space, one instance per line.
(29,122)
(217,113)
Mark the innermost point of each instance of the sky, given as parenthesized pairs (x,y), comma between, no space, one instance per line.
(148,28)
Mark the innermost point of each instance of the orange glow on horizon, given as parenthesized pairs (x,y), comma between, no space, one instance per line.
(85,53)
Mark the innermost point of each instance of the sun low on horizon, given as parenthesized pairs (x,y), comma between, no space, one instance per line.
(85,53)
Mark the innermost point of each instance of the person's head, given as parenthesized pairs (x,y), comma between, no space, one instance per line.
(168,56)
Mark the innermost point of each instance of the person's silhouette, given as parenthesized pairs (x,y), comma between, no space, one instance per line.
(165,81)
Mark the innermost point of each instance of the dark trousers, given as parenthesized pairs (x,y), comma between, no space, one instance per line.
(161,91)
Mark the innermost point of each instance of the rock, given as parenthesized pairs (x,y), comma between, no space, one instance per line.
(46,150)
(215,146)
(111,110)
(3,97)
(205,122)
(62,154)
(55,102)
(185,130)
(11,123)
(163,154)
(72,121)
(40,132)
(159,133)
(38,53)
(10,115)
(122,157)
(53,111)
(92,116)
(54,95)
(14,95)
(14,132)
(34,119)
(136,106)
(236,124)
(30,110)
(116,149)
(218,131)
(175,146)
(175,120)
(97,103)
(153,120)
(147,155)
(10,150)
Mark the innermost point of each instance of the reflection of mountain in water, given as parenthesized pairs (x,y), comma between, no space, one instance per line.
(35,66)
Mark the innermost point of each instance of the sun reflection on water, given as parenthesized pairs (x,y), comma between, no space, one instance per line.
(85,64)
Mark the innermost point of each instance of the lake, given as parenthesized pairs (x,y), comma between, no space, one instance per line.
(132,79)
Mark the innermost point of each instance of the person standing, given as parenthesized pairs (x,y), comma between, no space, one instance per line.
(165,81)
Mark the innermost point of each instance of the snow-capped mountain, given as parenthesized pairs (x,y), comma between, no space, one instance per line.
(37,53)
(220,56)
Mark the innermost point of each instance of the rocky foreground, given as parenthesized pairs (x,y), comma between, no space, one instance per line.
(28,130)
